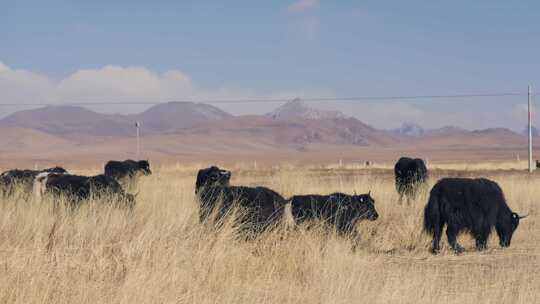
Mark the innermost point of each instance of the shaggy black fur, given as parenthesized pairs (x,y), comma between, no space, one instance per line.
(24,179)
(260,207)
(78,188)
(473,205)
(337,210)
(410,174)
(127,171)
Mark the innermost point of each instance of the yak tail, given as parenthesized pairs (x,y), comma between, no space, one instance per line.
(38,187)
(432,213)
(288,218)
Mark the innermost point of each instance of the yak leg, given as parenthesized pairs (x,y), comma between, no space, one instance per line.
(481,242)
(437,233)
(355,239)
(451,233)
(481,236)
(400,191)
(411,195)
(408,194)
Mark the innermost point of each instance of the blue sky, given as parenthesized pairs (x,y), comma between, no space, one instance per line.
(278,48)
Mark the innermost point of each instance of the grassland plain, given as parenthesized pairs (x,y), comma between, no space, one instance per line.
(159,253)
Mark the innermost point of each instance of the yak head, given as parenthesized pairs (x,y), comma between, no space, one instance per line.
(364,207)
(144,166)
(212,177)
(357,208)
(506,228)
(56,169)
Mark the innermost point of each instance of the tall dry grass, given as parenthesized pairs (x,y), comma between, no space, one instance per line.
(160,254)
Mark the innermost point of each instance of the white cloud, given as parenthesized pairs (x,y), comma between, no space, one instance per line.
(119,84)
(115,84)
(302,6)
(110,84)
(21,86)
(3,67)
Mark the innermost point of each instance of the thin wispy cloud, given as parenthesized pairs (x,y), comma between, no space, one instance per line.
(302,6)
(305,18)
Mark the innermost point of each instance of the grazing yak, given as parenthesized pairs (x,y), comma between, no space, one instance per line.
(127,172)
(410,174)
(338,210)
(76,188)
(10,180)
(473,205)
(260,207)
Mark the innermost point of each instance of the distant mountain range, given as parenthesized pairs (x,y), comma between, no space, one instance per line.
(412,130)
(192,130)
(70,121)
(293,122)
(73,122)
(409,129)
(298,109)
(176,115)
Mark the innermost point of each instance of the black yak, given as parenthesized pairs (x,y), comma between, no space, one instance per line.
(337,210)
(410,174)
(128,171)
(473,205)
(10,180)
(76,188)
(260,207)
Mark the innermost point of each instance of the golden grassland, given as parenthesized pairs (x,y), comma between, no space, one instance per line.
(159,253)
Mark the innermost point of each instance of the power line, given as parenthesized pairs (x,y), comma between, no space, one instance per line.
(273,100)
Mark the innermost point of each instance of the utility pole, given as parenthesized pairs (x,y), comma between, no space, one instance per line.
(138,126)
(529,107)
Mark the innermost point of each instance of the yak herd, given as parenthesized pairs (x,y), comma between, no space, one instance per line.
(461,204)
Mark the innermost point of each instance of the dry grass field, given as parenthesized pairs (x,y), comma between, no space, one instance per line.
(159,253)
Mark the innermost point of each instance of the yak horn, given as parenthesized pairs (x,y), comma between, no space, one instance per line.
(523,216)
